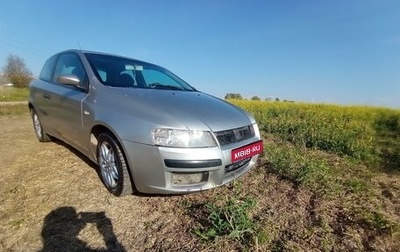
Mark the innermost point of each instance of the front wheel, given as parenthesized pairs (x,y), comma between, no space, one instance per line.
(113,166)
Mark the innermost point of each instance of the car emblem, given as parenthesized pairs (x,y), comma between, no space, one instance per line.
(238,136)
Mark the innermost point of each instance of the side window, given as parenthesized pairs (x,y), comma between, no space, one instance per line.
(70,64)
(48,68)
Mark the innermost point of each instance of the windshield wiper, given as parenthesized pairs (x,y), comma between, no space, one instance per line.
(162,86)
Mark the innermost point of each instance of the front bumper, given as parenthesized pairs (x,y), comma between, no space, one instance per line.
(165,170)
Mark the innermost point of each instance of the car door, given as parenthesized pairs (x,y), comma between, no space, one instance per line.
(65,101)
(39,93)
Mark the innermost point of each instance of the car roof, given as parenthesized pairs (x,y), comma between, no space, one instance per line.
(79,51)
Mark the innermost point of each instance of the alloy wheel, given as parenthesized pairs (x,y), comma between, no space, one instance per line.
(108,165)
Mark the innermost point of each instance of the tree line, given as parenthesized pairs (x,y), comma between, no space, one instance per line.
(238,96)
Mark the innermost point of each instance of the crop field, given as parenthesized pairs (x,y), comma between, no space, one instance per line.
(329,180)
(366,134)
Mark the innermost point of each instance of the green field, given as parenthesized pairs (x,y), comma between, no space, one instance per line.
(13,94)
(365,134)
(348,156)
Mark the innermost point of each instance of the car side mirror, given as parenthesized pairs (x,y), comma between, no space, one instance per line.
(69,79)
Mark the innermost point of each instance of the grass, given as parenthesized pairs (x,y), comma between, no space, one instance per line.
(315,190)
(364,133)
(18,109)
(346,156)
(351,185)
(230,218)
(13,94)
(302,166)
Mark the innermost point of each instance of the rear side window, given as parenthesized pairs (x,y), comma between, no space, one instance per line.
(48,69)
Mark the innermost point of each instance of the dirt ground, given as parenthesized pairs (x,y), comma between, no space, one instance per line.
(53,200)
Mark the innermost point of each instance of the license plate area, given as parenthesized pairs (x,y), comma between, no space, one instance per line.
(237,165)
(246,151)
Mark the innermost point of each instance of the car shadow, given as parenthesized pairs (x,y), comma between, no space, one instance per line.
(96,168)
(76,152)
(62,226)
(92,164)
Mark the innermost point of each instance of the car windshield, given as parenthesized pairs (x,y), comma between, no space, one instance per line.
(122,72)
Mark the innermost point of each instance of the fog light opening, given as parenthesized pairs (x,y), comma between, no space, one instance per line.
(179,178)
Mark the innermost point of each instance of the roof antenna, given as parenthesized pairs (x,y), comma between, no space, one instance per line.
(79,46)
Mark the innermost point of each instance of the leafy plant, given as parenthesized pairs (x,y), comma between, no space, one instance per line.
(231,220)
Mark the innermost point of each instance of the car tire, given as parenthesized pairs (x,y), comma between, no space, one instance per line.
(113,168)
(37,126)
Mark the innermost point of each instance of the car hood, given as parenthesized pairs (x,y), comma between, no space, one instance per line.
(193,110)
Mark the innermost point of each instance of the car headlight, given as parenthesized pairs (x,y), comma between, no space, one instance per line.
(183,138)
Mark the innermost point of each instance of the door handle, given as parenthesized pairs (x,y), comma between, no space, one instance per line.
(46,96)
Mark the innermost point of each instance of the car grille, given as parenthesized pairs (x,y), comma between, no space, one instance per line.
(234,135)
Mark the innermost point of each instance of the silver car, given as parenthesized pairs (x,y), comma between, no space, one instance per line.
(147,129)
